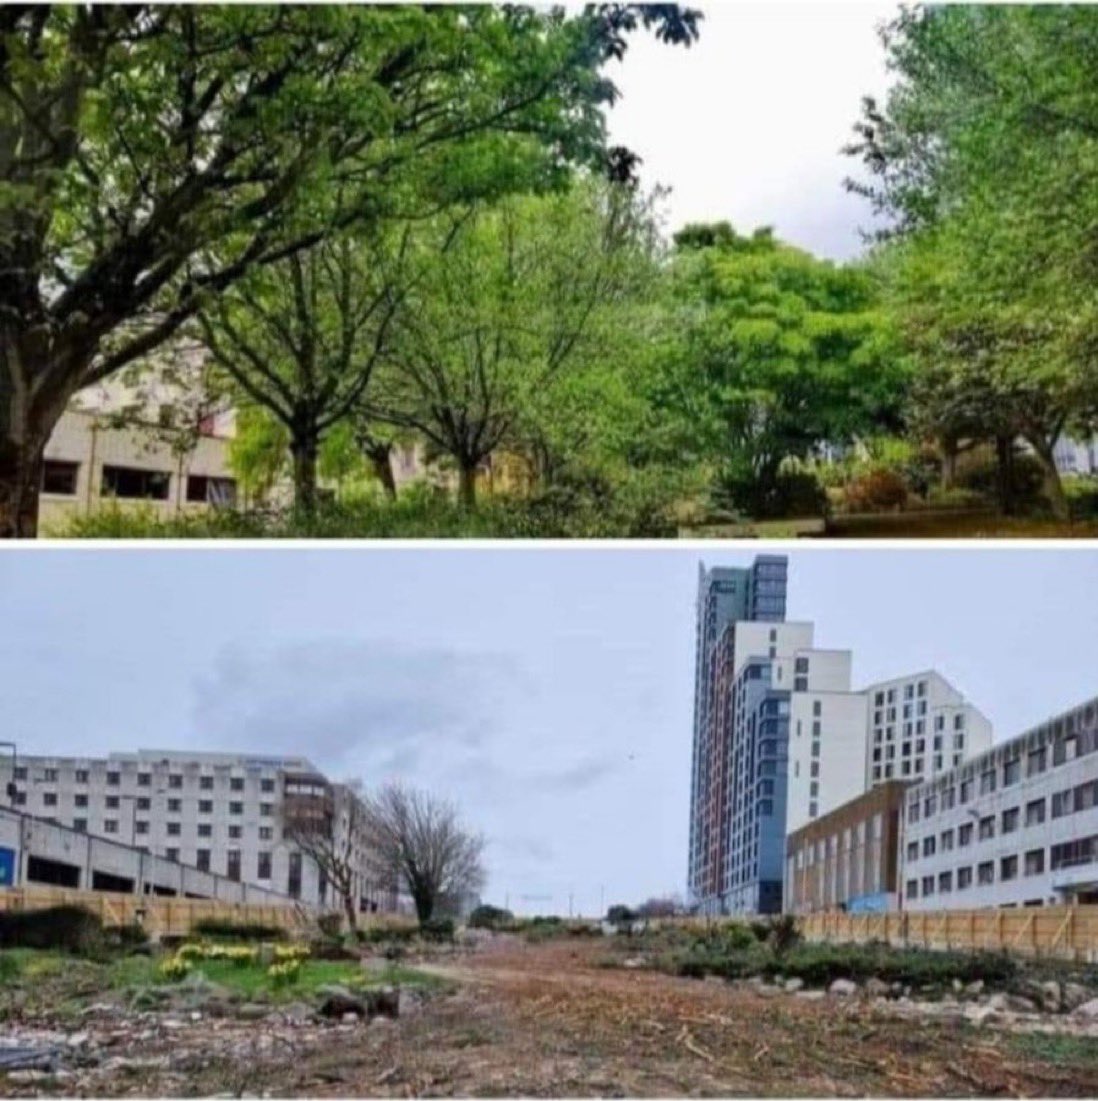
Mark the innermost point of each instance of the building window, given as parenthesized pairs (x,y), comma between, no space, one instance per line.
(812,810)
(144,779)
(945,882)
(964,835)
(1012,772)
(80,825)
(236,783)
(912,888)
(987,782)
(81,775)
(114,779)
(110,825)
(235,833)
(1061,803)
(175,806)
(113,802)
(800,665)
(205,829)
(236,808)
(144,803)
(1008,868)
(947,841)
(266,786)
(141,827)
(912,851)
(1037,762)
(1035,861)
(174,829)
(49,799)
(203,489)
(966,792)
(293,876)
(266,810)
(1035,812)
(232,866)
(59,477)
(928,846)
(964,878)
(928,885)
(1011,818)
(987,827)
(985,873)
(263,865)
(205,806)
(265,833)
(172,854)
(175,780)
(80,800)
(800,684)
(205,783)
(202,860)
(131,483)
(19,799)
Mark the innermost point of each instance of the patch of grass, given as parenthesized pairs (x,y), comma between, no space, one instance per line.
(1054,1048)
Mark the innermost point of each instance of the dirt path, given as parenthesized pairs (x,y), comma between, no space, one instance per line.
(549,1020)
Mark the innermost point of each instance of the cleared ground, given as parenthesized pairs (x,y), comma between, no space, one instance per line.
(548,1020)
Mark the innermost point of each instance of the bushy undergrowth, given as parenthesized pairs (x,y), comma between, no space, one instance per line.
(572,507)
(740,954)
(234,930)
(66,928)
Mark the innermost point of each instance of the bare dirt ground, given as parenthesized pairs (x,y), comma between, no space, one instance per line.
(547,1020)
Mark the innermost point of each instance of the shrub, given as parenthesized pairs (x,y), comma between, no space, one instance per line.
(68,928)
(330,925)
(285,972)
(489,917)
(878,490)
(232,930)
(174,968)
(783,934)
(1027,480)
(437,929)
(791,494)
(128,936)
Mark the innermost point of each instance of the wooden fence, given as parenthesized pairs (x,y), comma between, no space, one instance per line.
(1066,932)
(159,915)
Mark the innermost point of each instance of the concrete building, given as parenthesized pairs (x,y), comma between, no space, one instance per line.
(781,738)
(36,852)
(229,815)
(920,726)
(725,596)
(848,859)
(1016,825)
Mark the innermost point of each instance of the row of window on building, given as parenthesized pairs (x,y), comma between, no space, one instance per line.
(144,779)
(141,827)
(60,478)
(114,802)
(1031,863)
(1010,773)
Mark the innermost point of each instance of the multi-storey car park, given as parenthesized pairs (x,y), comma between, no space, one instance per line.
(229,815)
(1016,825)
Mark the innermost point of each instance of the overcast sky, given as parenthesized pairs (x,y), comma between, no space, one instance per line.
(747,124)
(549,692)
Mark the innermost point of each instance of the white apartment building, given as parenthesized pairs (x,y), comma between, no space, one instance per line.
(920,726)
(226,814)
(1016,825)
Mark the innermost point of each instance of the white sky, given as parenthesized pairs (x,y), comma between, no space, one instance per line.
(747,124)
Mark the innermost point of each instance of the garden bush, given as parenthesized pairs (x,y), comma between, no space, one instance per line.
(437,929)
(877,490)
(233,930)
(489,917)
(1026,484)
(791,494)
(64,928)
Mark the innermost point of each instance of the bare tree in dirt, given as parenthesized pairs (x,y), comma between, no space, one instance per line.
(333,841)
(418,840)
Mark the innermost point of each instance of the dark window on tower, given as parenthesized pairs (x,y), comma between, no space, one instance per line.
(202,489)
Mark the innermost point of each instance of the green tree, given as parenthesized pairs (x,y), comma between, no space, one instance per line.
(508,299)
(984,157)
(151,155)
(302,338)
(258,453)
(772,352)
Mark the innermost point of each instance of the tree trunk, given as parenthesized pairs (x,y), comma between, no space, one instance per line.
(304,449)
(467,486)
(350,912)
(1051,486)
(425,905)
(20,481)
(381,461)
(1004,473)
(949,463)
